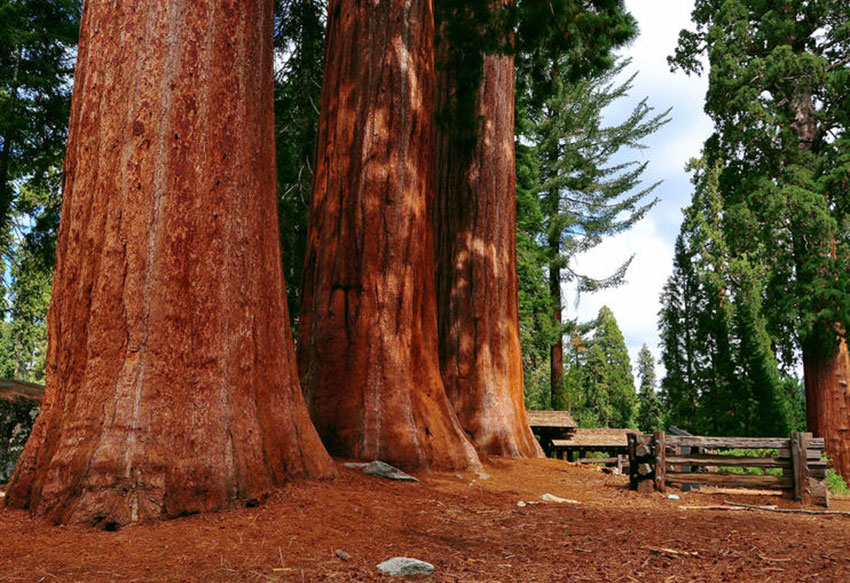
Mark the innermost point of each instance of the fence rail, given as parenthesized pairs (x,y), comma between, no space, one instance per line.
(659,460)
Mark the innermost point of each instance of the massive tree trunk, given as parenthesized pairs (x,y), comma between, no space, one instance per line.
(477,293)
(367,344)
(171,382)
(828,401)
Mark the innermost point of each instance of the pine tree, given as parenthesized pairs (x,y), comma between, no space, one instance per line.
(37,41)
(722,376)
(36,62)
(777,95)
(299,45)
(600,387)
(583,195)
(679,392)
(650,410)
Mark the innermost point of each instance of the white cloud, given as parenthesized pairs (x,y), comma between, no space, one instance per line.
(636,303)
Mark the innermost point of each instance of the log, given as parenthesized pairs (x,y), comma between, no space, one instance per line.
(660,465)
(644,469)
(787,510)
(729,442)
(812,454)
(598,460)
(737,442)
(631,439)
(643,450)
(732,480)
(723,460)
(798,464)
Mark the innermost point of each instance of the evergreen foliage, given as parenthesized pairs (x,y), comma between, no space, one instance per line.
(37,40)
(571,195)
(778,97)
(599,386)
(299,45)
(722,374)
(650,409)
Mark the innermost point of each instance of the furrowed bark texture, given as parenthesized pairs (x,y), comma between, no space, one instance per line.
(828,402)
(367,344)
(171,382)
(477,291)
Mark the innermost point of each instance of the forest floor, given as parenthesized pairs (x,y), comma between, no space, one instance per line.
(471,529)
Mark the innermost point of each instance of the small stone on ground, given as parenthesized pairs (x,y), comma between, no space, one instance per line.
(385,470)
(551,498)
(406,567)
(343,555)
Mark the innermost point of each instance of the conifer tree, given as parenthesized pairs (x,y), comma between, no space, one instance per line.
(777,95)
(650,410)
(583,195)
(722,376)
(368,346)
(299,46)
(600,387)
(37,41)
(171,383)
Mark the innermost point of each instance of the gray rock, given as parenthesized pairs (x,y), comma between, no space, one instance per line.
(355,465)
(385,470)
(343,555)
(406,567)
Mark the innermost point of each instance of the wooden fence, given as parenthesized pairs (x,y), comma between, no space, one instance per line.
(657,461)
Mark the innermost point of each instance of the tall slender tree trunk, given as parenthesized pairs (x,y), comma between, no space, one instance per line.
(556,351)
(477,289)
(368,333)
(171,383)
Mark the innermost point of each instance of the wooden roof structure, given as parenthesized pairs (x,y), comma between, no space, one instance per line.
(11,389)
(605,437)
(541,419)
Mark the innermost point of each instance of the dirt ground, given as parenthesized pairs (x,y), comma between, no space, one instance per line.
(471,529)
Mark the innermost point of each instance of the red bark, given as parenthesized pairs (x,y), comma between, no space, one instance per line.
(477,291)
(367,344)
(828,402)
(556,351)
(171,382)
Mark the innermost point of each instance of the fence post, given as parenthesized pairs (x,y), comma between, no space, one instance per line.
(798,465)
(805,491)
(660,460)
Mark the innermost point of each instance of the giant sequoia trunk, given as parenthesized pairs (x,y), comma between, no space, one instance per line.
(477,293)
(828,401)
(171,381)
(367,344)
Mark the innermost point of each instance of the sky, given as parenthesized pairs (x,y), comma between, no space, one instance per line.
(636,303)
